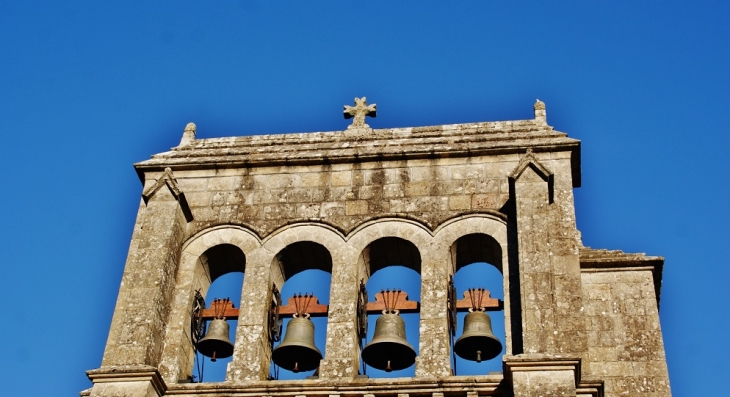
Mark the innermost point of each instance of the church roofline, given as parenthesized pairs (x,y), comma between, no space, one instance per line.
(362,145)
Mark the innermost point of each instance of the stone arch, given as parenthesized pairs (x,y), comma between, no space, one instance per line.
(387,251)
(297,247)
(479,238)
(204,257)
(476,247)
(468,230)
(319,243)
(407,238)
(395,241)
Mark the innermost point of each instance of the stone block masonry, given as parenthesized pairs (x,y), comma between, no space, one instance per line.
(578,321)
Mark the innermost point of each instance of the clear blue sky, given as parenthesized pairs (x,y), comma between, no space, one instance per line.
(87,88)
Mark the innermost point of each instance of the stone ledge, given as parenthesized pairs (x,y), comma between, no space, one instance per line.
(456,140)
(456,385)
(541,362)
(597,260)
(593,388)
(128,373)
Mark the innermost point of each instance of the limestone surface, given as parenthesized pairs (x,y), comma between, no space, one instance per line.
(579,321)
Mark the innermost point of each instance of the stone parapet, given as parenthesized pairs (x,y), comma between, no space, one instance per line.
(455,140)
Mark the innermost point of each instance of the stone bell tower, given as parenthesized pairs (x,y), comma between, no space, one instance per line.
(578,321)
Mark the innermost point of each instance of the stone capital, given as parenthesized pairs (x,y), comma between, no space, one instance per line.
(129,373)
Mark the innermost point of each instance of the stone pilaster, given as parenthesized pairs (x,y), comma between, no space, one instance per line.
(434,347)
(142,309)
(342,351)
(549,265)
(252,348)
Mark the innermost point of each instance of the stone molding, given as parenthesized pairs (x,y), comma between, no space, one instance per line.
(541,362)
(530,160)
(456,140)
(168,179)
(597,260)
(549,362)
(449,386)
(129,373)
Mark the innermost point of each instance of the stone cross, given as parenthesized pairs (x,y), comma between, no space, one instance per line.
(359,111)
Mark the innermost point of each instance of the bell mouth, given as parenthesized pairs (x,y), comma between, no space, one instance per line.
(216,343)
(297,358)
(389,350)
(297,352)
(477,343)
(389,356)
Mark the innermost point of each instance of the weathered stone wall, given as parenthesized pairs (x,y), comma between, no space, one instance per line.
(346,195)
(575,318)
(625,346)
(145,295)
(549,264)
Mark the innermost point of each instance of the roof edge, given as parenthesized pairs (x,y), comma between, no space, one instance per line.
(606,260)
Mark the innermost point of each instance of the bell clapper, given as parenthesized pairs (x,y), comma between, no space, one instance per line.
(387,368)
(479,356)
(296,368)
(212,358)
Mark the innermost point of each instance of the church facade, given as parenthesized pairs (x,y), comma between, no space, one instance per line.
(578,321)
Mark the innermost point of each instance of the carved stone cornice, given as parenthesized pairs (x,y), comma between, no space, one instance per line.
(455,140)
(596,260)
(129,373)
(168,179)
(541,362)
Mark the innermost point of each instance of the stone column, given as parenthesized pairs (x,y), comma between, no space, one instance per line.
(434,347)
(342,351)
(532,375)
(252,348)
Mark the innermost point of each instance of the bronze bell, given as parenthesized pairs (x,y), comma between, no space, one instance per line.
(477,343)
(297,351)
(389,350)
(216,344)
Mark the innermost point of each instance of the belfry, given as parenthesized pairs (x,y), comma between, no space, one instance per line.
(578,321)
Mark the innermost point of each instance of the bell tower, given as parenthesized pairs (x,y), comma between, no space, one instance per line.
(573,321)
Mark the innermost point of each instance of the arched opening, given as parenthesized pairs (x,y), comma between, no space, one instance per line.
(304,267)
(393,264)
(478,264)
(219,276)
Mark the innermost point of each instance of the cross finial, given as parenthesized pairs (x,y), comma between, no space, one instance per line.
(359,111)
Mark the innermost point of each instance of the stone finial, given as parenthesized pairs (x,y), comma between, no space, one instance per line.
(188,135)
(540,113)
(358,112)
